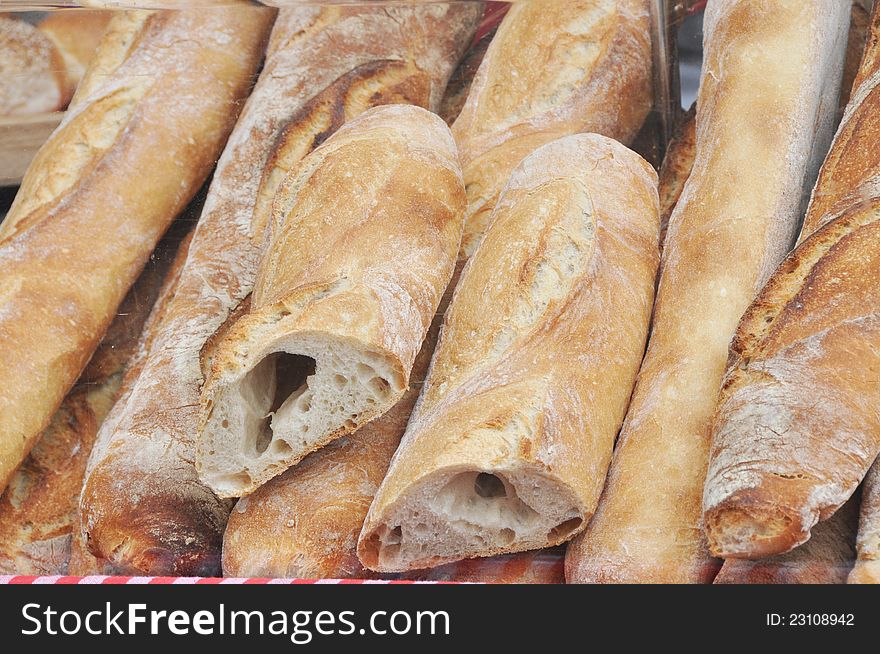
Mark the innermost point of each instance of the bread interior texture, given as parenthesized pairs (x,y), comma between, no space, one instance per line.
(296,399)
(467,513)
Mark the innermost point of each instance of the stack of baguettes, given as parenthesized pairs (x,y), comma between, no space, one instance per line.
(144,507)
(306,521)
(795,430)
(390,338)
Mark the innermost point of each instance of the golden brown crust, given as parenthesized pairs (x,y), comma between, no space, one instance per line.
(33,77)
(851,171)
(870,60)
(824,559)
(153,443)
(763,66)
(121,37)
(305,522)
(58,294)
(497,401)
(552,69)
(782,459)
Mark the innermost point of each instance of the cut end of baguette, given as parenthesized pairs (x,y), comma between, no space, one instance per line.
(461,514)
(306,392)
(743,529)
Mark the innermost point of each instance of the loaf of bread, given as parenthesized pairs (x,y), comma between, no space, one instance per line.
(41,66)
(33,76)
(343,298)
(39,507)
(793,433)
(79,230)
(324,65)
(826,558)
(552,69)
(508,445)
(867,568)
(769,84)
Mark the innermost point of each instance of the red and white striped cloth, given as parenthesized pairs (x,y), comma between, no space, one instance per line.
(23,579)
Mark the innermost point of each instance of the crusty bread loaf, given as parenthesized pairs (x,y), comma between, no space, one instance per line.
(679,157)
(33,78)
(851,171)
(343,297)
(795,431)
(788,445)
(553,68)
(867,568)
(39,509)
(769,84)
(324,66)
(509,442)
(79,230)
(40,66)
(825,559)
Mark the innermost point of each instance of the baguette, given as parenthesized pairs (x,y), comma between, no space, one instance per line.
(38,510)
(867,568)
(161,519)
(332,333)
(32,71)
(851,171)
(554,68)
(765,64)
(793,433)
(679,158)
(499,455)
(826,558)
(79,232)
